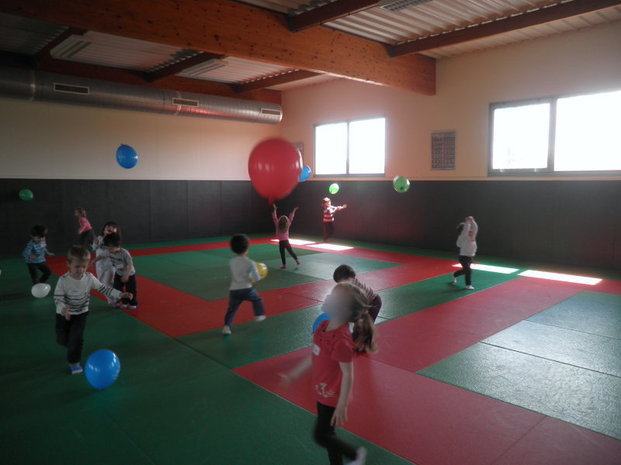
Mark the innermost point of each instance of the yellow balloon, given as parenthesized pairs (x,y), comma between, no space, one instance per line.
(262,269)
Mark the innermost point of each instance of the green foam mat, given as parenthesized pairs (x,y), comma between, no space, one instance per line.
(593,352)
(171,403)
(252,342)
(588,312)
(572,394)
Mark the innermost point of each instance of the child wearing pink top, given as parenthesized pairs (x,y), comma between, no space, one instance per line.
(282,226)
(86,237)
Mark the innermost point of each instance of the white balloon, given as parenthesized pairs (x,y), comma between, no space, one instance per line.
(40,290)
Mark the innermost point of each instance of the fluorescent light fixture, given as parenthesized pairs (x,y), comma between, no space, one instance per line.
(493,269)
(330,247)
(568,278)
(296,241)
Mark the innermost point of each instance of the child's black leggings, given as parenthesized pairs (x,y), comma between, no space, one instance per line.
(465,269)
(129,286)
(326,437)
(285,245)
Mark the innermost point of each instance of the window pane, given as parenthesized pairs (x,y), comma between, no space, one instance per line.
(331,148)
(521,137)
(367,146)
(586,133)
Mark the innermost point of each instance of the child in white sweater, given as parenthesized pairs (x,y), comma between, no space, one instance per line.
(467,243)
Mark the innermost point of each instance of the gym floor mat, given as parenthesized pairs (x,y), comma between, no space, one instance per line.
(583,397)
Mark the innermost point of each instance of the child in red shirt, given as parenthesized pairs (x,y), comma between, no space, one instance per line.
(332,367)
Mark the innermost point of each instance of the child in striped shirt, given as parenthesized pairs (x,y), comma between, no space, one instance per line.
(72,297)
(328,217)
(34,254)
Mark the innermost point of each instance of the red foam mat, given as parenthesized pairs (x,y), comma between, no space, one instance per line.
(422,420)
(553,442)
(433,334)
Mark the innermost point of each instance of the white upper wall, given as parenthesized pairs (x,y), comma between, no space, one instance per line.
(578,62)
(55,141)
(59,141)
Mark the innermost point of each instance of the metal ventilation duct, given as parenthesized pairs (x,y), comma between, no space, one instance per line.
(35,85)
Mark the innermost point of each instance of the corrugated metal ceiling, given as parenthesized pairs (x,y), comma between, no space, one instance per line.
(26,36)
(118,52)
(234,71)
(437,16)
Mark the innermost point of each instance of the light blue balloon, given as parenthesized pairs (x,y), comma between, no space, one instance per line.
(319,320)
(305,173)
(102,368)
(126,156)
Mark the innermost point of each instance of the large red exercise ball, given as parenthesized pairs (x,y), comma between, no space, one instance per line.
(126,156)
(274,168)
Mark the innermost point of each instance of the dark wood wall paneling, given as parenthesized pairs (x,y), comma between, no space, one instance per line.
(567,222)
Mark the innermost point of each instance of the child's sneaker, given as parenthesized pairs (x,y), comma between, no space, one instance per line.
(361,457)
(454,282)
(297,262)
(283,267)
(76,369)
(226,330)
(123,306)
(132,307)
(260,318)
(469,287)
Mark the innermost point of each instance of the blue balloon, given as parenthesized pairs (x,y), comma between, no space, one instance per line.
(320,318)
(305,173)
(126,156)
(102,368)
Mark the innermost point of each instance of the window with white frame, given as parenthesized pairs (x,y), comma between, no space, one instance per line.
(557,135)
(351,148)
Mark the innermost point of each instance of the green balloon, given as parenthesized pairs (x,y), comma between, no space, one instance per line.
(26,195)
(401,184)
(334,188)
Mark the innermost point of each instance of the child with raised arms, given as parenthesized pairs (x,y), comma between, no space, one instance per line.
(72,297)
(332,369)
(328,217)
(282,226)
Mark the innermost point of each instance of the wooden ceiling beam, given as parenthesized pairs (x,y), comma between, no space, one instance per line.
(511,23)
(180,66)
(328,12)
(284,78)
(235,29)
(136,78)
